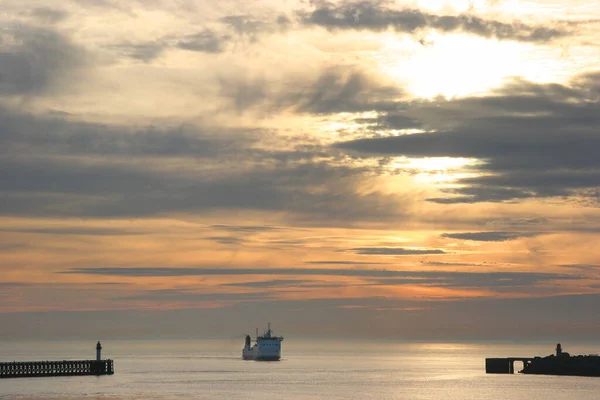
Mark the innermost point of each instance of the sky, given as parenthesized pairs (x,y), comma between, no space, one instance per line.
(410,170)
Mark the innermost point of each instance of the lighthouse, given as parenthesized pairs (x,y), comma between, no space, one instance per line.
(98,351)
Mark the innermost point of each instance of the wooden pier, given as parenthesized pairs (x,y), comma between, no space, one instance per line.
(34,369)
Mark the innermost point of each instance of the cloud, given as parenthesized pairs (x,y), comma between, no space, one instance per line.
(226,240)
(157,271)
(532,141)
(13,284)
(55,135)
(588,268)
(68,168)
(334,90)
(179,295)
(63,188)
(451,264)
(229,30)
(91,231)
(145,52)
(489,236)
(245,24)
(372,15)
(13,246)
(276,283)
(395,251)
(494,281)
(518,222)
(246,228)
(337,90)
(338,262)
(395,120)
(34,60)
(205,41)
(48,15)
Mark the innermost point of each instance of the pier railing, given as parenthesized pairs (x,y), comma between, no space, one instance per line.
(30,369)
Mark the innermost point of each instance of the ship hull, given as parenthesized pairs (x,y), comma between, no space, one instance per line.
(256,354)
(262,358)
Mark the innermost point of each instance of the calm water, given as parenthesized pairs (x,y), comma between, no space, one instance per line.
(212,369)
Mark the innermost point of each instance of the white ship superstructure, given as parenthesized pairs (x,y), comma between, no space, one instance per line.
(266,348)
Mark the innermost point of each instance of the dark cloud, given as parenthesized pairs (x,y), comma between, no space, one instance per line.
(276,283)
(206,42)
(489,236)
(226,240)
(57,135)
(244,24)
(48,15)
(52,166)
(156,271)
(33,60)
(145,52)
(395,120)
(591,270)
(179,295)
(72,189)
(342,90)
(233,29)
(373,15)
(518,222)
(335,90)
(532,140)
(337,262)
(451,264)
(590,267)
(494,281)
(283,22)
(481,194)
(395,251)
(13,246)
(246,228)
(74,231)
(9,285)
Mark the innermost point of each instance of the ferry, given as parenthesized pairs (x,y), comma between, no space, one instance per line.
(266,348)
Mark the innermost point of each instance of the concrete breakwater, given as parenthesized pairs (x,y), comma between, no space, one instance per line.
(34,369)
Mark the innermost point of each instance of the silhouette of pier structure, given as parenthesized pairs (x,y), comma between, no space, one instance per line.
(560,363)
(505,365)
(34,369)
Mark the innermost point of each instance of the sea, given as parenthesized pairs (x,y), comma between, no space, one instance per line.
(309,369)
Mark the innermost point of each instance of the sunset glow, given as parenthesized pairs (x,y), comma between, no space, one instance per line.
(432,158)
